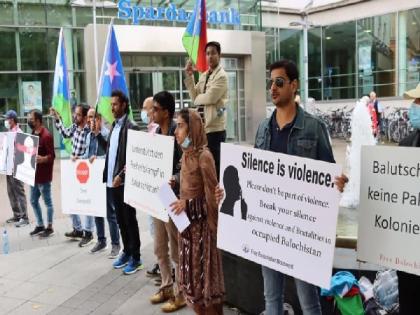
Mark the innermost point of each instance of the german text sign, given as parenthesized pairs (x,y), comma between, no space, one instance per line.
(389,210)
(149,165)
(82,190)
(279,211)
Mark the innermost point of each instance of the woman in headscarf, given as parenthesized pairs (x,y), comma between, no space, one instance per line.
(200,263)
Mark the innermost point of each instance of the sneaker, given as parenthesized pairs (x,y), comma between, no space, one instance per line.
(163,295)
(154,271)
(99,246)
(12,220)
(37,230)
(22,222)
(133,266)
(121,261)
(174,304)
(115,251)
(47,233)
(86,239)
(74,234)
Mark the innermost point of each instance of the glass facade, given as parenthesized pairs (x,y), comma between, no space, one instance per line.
(29,35)
(348,60)
(148,75)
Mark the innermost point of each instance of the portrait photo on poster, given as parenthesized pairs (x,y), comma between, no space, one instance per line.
(26,149)
(234,204)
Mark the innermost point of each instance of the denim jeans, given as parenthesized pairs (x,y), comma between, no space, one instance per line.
(77,223)
(112,222)
(45,190)
(273,291)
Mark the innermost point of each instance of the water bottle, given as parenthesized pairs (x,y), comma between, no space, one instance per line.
(5,242)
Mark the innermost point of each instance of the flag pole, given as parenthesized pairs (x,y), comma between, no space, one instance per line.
(99,89)
(95,43)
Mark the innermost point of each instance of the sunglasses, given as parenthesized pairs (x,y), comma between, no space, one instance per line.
(279,82)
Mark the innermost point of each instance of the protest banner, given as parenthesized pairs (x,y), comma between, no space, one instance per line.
(279,211)
(389,209)
(82,190)
(26,150)
(149,165)
(7,152)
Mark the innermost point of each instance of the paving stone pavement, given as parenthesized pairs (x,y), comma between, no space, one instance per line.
(55,276)
(65,279)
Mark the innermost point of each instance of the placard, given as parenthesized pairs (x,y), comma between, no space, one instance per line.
(389,210)
(7,152)
(279,211)
(149,161)
(82,189)
(26,150)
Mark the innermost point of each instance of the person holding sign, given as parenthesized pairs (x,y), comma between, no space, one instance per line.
(210,95)
(78,133)
(200,271)
(163,113)
(408,284)
(114,176)
(290,130)
(15,188)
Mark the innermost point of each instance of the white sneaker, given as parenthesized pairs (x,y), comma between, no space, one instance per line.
(22,222)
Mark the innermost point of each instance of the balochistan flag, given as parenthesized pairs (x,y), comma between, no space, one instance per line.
(61,88)
(195,36)
(112,77)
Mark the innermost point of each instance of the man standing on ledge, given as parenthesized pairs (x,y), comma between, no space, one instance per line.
(114,175)
(210,95)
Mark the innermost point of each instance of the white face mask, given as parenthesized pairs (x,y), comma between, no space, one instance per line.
(7,124)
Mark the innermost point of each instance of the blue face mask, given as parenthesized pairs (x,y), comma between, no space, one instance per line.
(186,143)
(414,115)
(144,117)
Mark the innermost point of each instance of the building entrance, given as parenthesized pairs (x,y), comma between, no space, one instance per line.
(147,81)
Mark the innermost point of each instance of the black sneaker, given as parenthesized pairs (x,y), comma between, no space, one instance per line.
(47,233)
(154,271)
(37,230)
(74,234)
(12,220)
(86,239)
(99,246)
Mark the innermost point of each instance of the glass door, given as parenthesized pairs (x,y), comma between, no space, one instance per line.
(143,84)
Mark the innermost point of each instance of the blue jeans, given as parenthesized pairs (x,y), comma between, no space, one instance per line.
(45,190)
(77,223)
(273,292)
(112,222)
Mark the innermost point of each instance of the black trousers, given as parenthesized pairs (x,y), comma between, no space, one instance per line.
(214,140)
(127,222)
(409,293)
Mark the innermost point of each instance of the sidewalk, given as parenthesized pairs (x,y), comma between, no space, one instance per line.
(55,276)
(58,277)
